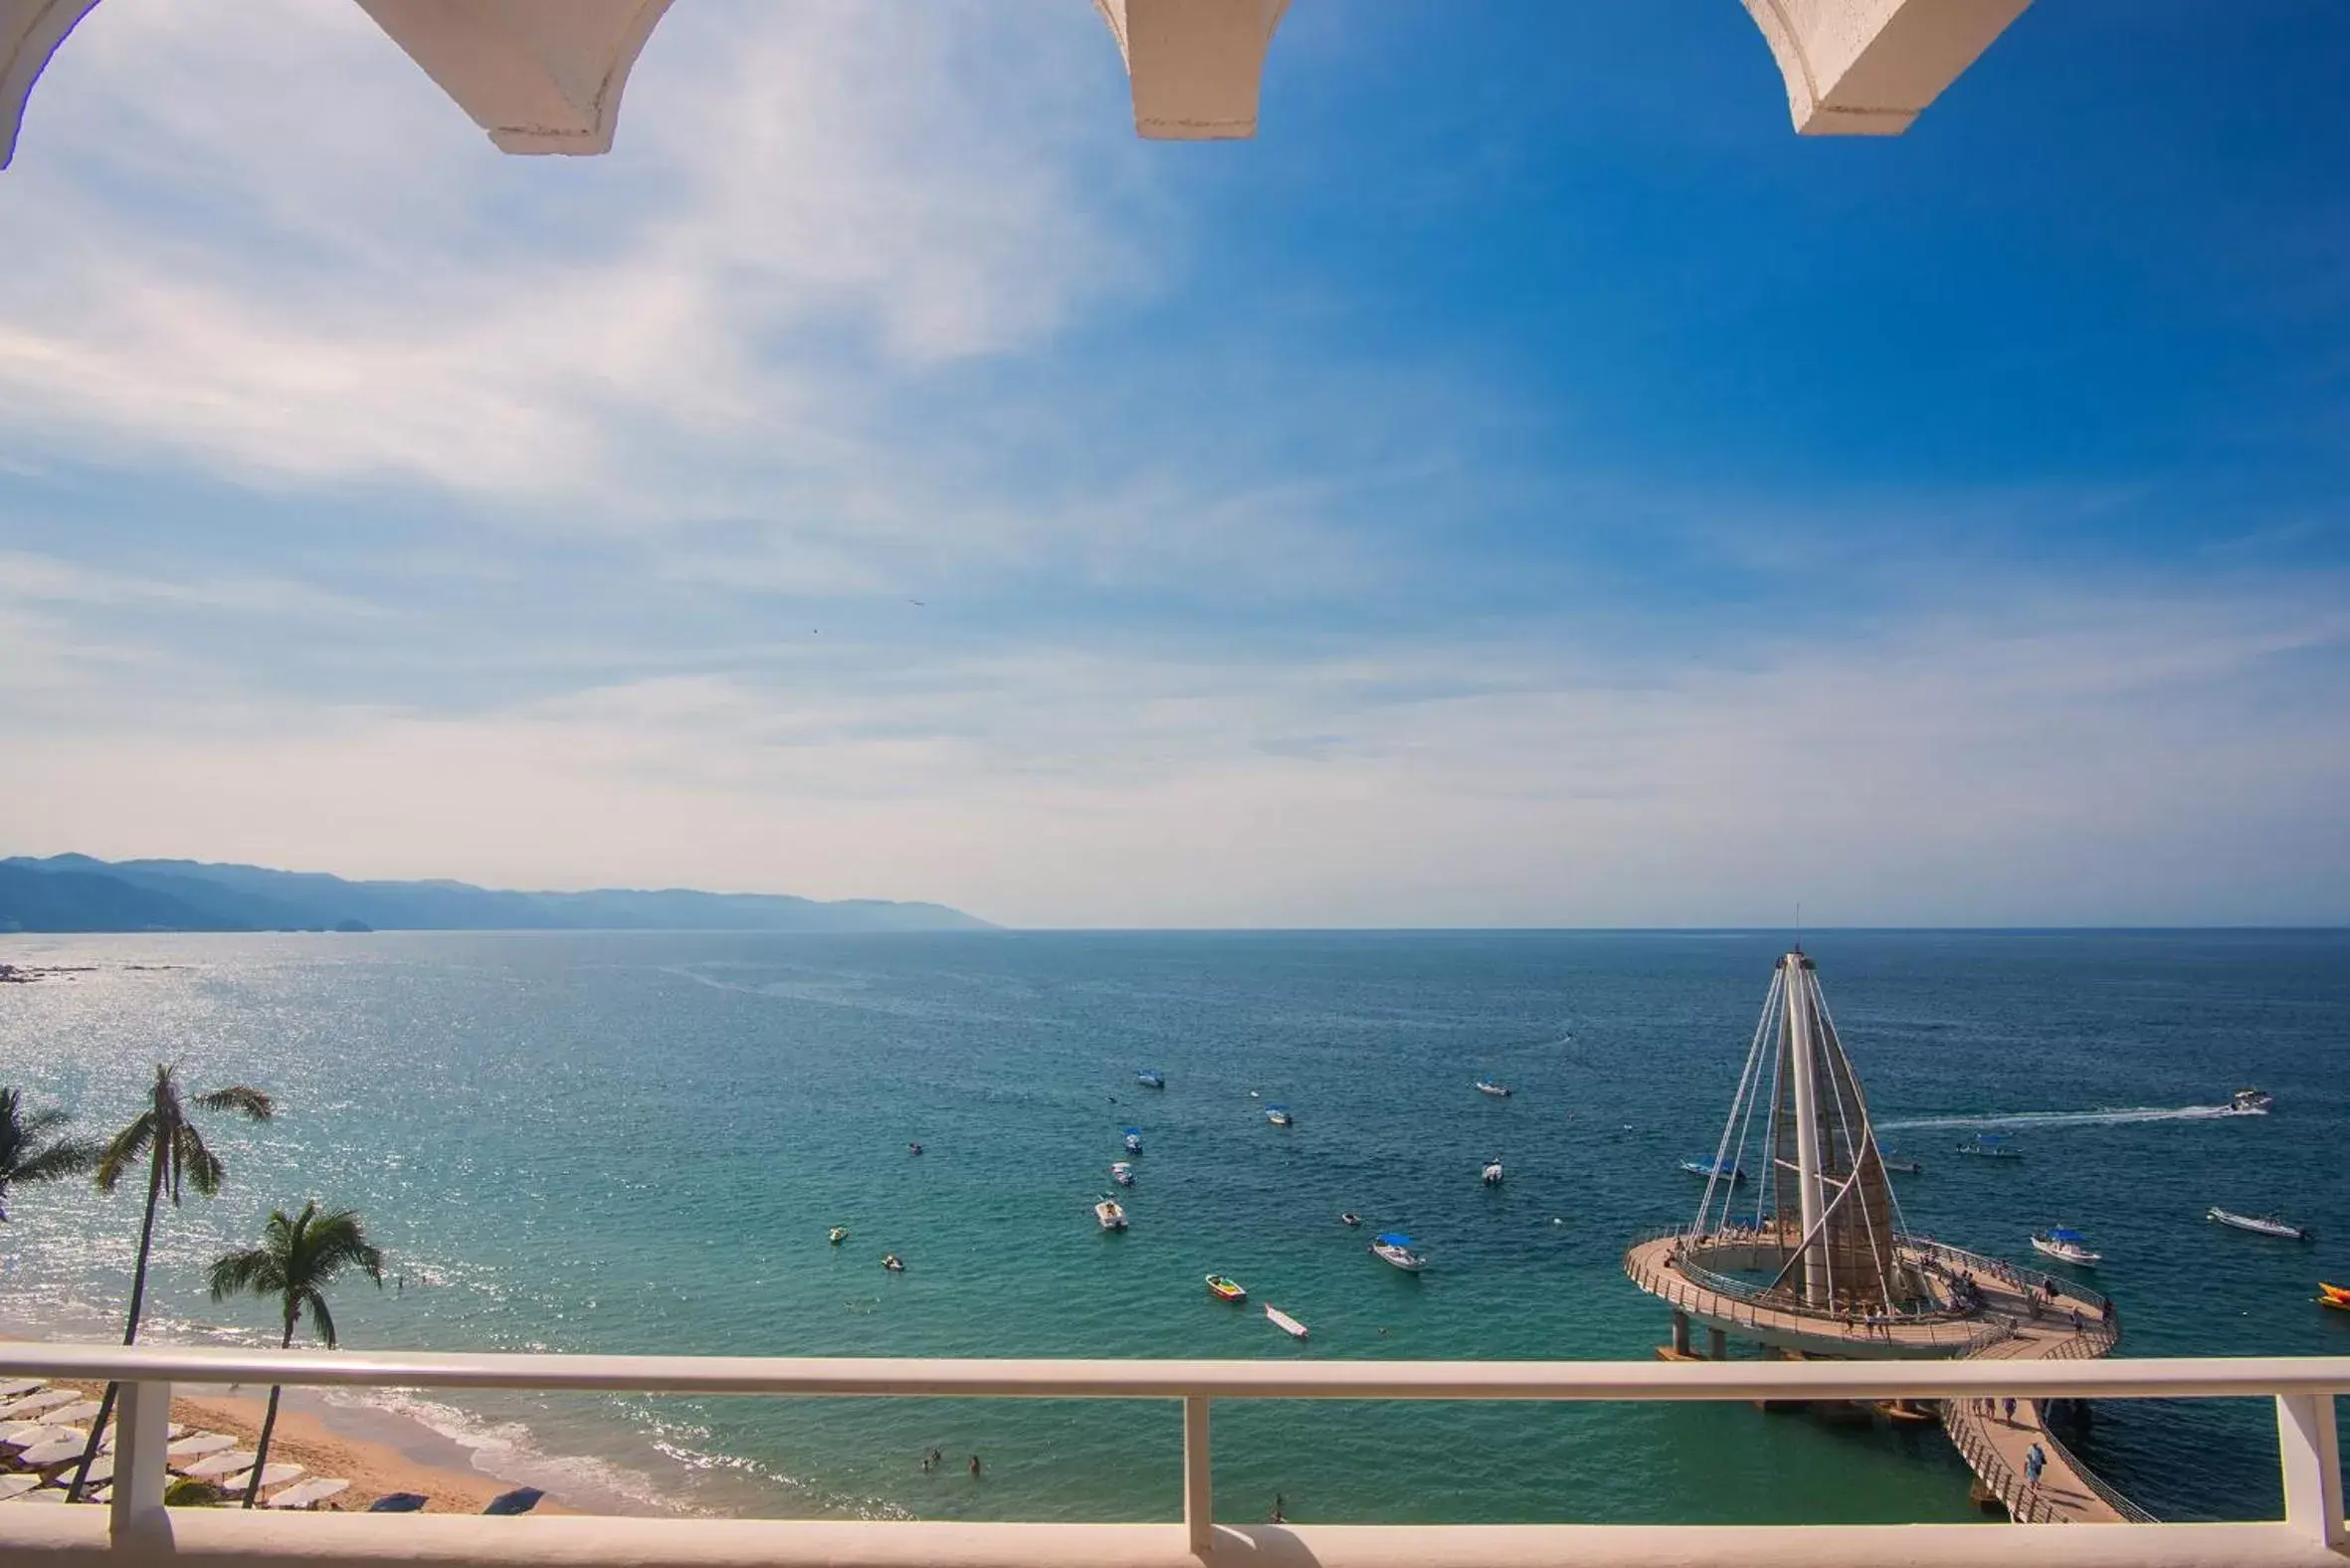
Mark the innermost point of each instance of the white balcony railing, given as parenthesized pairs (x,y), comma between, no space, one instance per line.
(134,1529)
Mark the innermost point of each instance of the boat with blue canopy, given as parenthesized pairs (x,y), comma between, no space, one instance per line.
(1280,1116)
(1133,1137)
(2066,1245)
(1396,1248)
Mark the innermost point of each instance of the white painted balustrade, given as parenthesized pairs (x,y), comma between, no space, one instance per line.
(136,1530)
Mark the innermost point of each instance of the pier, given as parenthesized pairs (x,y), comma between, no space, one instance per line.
(1819,1266)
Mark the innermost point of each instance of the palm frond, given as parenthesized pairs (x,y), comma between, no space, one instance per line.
(66,1157)
(192,1160)
(124,1150)
(316,1301)
(249,1102)
(339,1241)
(252,1273)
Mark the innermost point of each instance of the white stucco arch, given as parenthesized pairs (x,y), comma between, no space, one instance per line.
(545,75)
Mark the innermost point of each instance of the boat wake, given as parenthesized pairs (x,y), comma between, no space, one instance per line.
(2067,1118)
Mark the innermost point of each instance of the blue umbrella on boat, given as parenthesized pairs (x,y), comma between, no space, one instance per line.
(2058,1233)
(1395,1239)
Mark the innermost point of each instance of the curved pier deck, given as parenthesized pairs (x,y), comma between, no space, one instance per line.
(2017,1321)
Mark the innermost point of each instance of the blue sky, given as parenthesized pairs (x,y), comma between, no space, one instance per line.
(1527,484)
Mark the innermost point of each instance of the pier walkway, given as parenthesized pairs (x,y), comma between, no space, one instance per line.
(2018,1319)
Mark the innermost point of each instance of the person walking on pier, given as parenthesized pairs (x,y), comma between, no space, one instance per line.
(2011,1407)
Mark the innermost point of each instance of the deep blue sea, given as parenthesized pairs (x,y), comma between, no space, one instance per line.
(636,1142)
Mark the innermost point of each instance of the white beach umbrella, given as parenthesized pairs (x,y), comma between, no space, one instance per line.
(198,1443)
(42,1495)
(101,1469)
(173,1431)
(26,1406)
(20,1387)
(54,1452)
(222,1464)
(311,1493)
(17,1485)
(271,1475)
(74,1414)
(24,1433)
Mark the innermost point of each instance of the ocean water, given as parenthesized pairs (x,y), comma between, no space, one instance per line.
(625,1142)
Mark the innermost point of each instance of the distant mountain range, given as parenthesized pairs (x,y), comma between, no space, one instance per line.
(73,893)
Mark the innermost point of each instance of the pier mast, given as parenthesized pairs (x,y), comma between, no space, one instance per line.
(1798,1053)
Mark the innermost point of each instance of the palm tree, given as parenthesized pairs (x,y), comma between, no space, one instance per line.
(28,1152)
(296,1261)
(176,1157)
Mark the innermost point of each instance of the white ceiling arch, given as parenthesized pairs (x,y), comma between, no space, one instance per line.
(546,76)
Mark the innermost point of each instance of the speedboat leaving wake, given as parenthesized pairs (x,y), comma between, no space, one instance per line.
(2072,1118)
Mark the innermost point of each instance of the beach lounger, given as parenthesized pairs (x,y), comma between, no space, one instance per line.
(520,1500)
(397,1502)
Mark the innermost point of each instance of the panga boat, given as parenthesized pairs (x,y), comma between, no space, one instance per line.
(1486,1086)
(1151,1078)
(1708,1166)
(894,1262)
(2251,1101)
(1350,1220)
(2263,1224)
(1133,1137)
(837,1234)
(2069,1245)
(1989,1146)
(1901,1167)
(1225,1288)
(1492,1173)
(1111,1213)
(2336,1296)
(1396,1248)
(1280,1116)
(1284,1323)
(1122,1173)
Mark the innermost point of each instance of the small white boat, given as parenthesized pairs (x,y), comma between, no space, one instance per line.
(1133,1137)
(2261,1224)
(2252,1102)
(1492,1173)
(1122,1173)
(2067,1246)
(1280,1116)
(1396,1248)
(1111,1213)
(1151,1078)
(1486,1086)
(1284,1323)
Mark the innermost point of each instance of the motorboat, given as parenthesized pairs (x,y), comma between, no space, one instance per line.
(2251,1101)
(2067,1246)
(1492,1173)
(894,1262)
(1899,1167)
(1396,1248)
(2260,1223)
(1226,1289)
(1989,1146)
(1351,1221)
(1151,1078)
(837,1234)
(2336,1296)
(1122,1173)
(1284,1323)
(1280,1116)
(1133,1137)
(1111,1213)
(1486,1086)
(1710,1167)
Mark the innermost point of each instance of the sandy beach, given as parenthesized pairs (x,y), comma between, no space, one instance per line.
(320,1437)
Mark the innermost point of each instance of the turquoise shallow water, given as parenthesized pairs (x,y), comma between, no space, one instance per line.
(636,1142)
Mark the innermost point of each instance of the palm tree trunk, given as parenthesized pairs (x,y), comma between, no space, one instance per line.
(139,1301)
(268,1424)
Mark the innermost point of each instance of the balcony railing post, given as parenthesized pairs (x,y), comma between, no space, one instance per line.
(140,1435)
(1199,1481)
(2312,1463)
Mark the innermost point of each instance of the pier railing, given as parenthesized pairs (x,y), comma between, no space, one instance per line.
(134,1530)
